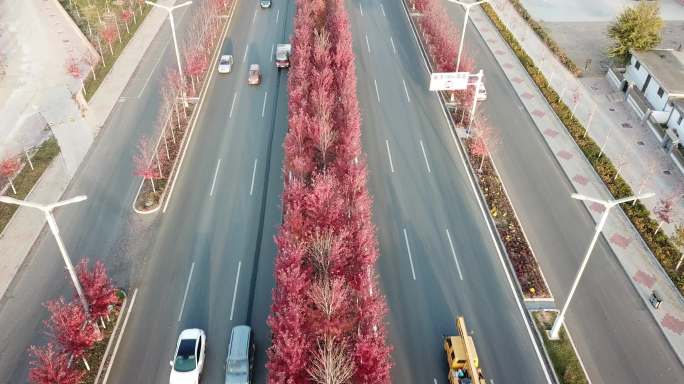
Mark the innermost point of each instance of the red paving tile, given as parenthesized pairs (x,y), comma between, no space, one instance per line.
(527,95)
(644,279)
(672,323)
(538,113)
(596,207)
(517,79)
(550,132)
(620,240)
(582,180)
(563,154)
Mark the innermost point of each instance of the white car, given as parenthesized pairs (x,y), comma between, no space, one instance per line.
(225,64)
(188,360)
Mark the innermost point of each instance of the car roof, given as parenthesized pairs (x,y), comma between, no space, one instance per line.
(192,333)
(226,56)
(254,67)
(239,342)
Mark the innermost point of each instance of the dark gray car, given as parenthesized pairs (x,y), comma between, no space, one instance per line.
(240,358)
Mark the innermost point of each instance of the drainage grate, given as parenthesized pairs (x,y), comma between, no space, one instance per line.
(667,172)
(626,125)
(611,109)
(640,142)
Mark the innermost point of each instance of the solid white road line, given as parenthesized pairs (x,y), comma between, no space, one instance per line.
(277,16)
(394,48)
(425,156)
(263,108)
(389,154)
(377,92)
(408,248)
(406,90)
(361,8)
(232,105)
(434,379)
(246,51)
(383,10)
(254,17)
(237,279)
(272,49)
(251,188)
(187,287)
(118,340)
(453,253)
(368,45)
(154,68)
(213,183)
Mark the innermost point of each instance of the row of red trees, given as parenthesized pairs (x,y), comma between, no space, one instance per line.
(73,332)
(327,315)
(154,160)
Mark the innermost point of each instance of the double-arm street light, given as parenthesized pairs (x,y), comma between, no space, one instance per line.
(47,210)
(467,7)
(607,205)
(173,33)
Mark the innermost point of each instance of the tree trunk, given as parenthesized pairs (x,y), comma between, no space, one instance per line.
(679,263)
(111,50)
(658,229)
(481,163)
(154,189)
(85,362)
(12,185)
(166,146)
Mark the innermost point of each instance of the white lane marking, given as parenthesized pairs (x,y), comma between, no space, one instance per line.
(361,8)
(406,90)
(251,188)
(277,16)
(254,17)
(232,105)
(427,164)
(434,379)
(185,295)
(389,154)
(368,45)
(154,68)
(377,92)
(263,108)
(237,279)
(383,10)
(213,183)
(246,51)
(394,48)
(272,49)
(453,253)
(118,340)
(408,248)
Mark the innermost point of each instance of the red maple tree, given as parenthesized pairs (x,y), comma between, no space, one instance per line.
(73,68)
(70,327)
(51,366)
(146,164)
(109,34)
(8,168)
(97,288)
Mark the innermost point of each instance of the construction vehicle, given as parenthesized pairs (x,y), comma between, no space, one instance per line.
(464,365)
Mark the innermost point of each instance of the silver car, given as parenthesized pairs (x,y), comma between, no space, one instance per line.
(240,360)
(225,64)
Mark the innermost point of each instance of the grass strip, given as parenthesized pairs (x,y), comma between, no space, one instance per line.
(562,354)
(28,177)
(659,243)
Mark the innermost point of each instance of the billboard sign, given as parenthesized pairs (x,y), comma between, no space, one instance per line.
(449,81)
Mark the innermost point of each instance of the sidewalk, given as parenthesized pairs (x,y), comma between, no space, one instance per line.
(26,224)
(636,259)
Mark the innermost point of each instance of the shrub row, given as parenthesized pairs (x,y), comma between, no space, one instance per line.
(546,38)
(661,246)
(327,313)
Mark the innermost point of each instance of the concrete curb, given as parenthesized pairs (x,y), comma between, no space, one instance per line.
(112,337)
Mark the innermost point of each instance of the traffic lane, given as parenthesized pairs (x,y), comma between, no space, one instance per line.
(525,156)
(424,190)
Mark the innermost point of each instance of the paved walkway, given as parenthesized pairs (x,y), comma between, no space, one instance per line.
(645,271)
(25,227)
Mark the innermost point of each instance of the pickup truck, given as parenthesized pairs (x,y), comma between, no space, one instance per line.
(282,56)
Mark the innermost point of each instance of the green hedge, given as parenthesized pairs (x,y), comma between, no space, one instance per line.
(562,354)
(546,38)
(664,250)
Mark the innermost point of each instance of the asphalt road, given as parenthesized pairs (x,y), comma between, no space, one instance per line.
(617,337)
(438,258)
(214,220)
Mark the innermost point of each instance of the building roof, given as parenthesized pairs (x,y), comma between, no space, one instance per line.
(667,66)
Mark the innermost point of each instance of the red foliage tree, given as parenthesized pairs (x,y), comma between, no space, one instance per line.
(97,288)
(146,163)
(126,16)
(69,325)
(8,168)
(73,68)
(50,366)
(109,34)
(663,211)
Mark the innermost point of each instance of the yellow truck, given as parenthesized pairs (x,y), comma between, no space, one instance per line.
(464,366)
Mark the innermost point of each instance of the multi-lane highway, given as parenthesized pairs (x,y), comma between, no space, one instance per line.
(611,327)
(438,257)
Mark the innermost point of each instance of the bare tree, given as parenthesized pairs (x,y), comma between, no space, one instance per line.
(331,363)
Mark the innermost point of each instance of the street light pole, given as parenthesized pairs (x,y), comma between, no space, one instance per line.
(607,204)
(467,7)
(47,210)
(473,107)
(173,33)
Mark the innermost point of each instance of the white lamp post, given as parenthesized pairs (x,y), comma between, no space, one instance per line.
(607,204)
(467,7)
(47,210)
(173,33)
